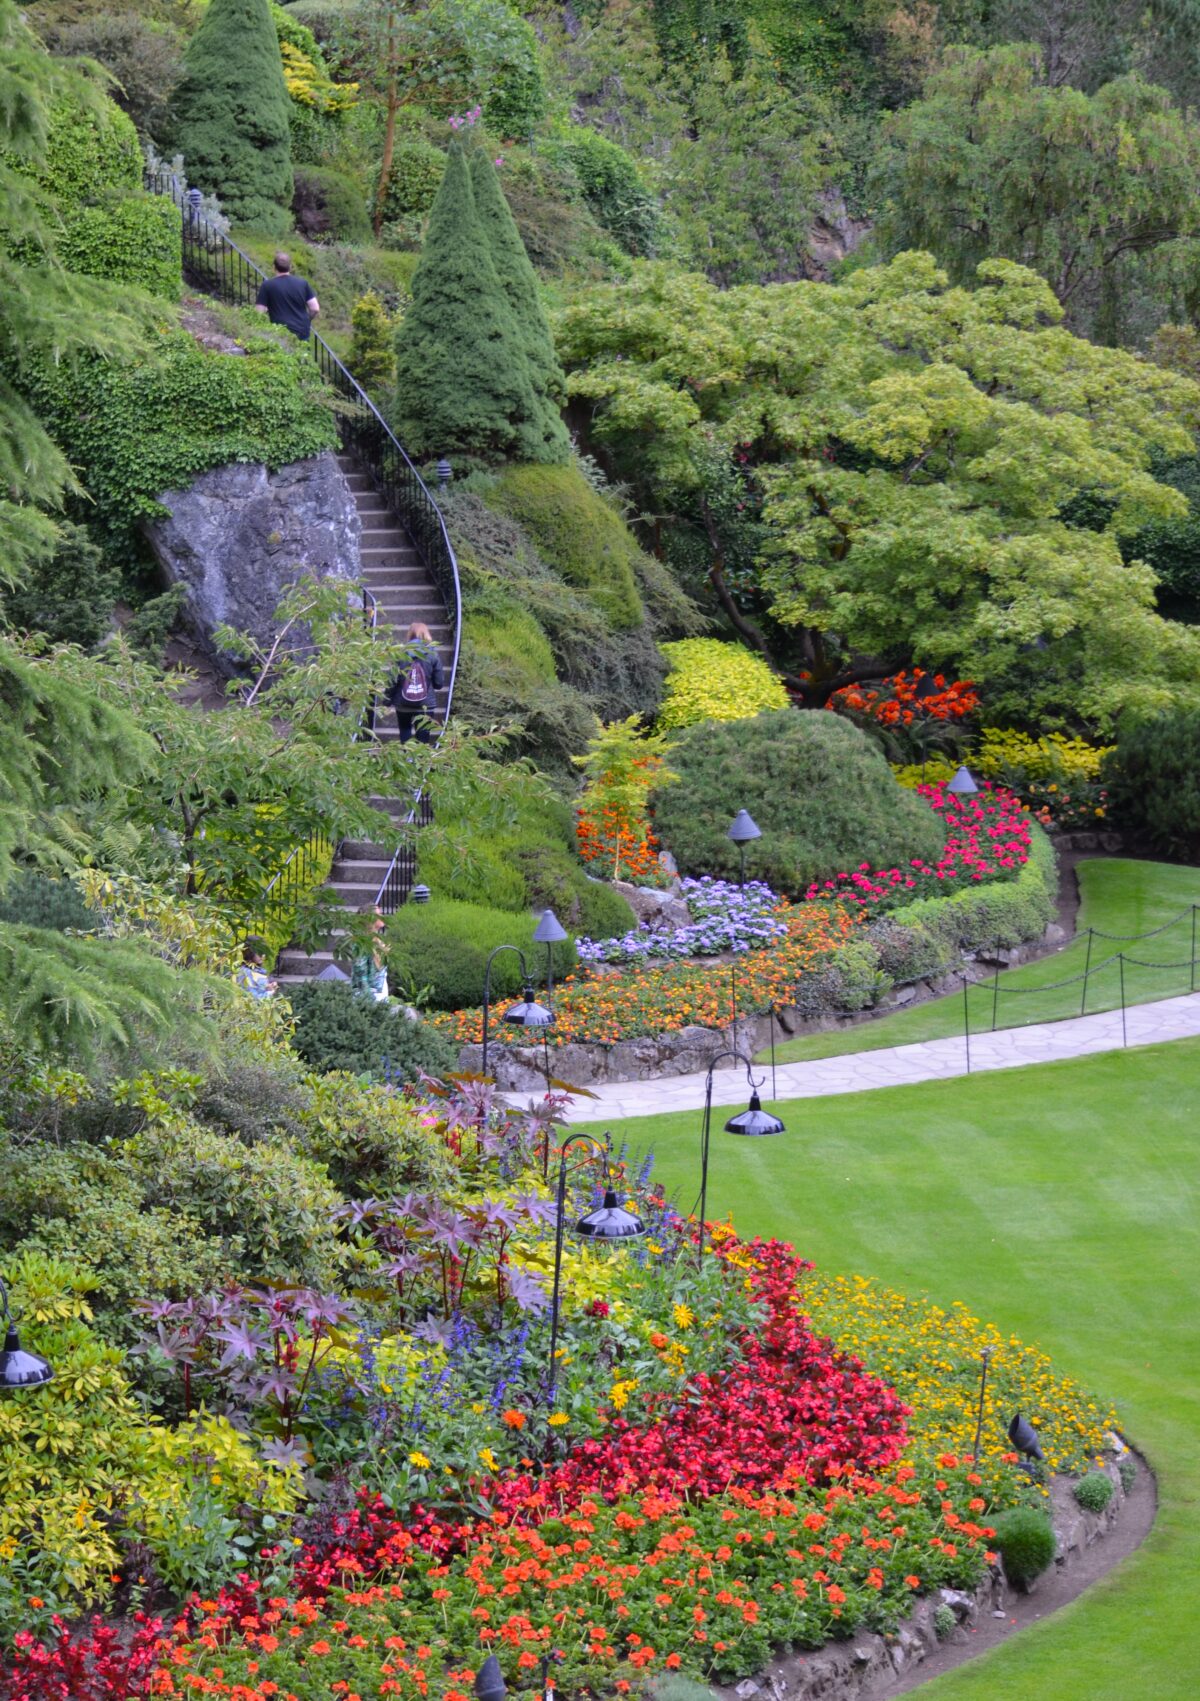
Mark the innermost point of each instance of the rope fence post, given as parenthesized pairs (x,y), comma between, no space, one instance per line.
(996,987)
(1121,970)
(966,1025)
(1192,964)
(1087,964)
(774,1088)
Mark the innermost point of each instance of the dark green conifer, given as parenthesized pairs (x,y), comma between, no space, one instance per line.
(462,381)
(543,436)
(230,115)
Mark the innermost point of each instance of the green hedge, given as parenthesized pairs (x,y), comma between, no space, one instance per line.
(445,945)
(133,239)
(337,1031)
(818,788)
(1153,781)
(90,151)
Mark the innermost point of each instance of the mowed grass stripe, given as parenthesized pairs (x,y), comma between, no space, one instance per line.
(1060,1202)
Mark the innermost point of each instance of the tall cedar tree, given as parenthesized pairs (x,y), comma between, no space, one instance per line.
(463,384)
(230,115)
(544,437)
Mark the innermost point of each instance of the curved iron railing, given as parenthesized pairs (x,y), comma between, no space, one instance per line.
(215,264)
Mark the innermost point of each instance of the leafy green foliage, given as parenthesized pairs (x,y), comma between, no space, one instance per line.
(613,188)
(1026,1542)
(230,114)
(453,53)
(69,596)
(416,175)
(913,478)
(996,163)
(143,54)
(818,788)
(372,346)
(714,680)
(336,1030)
(445,945)
(132,239)
(1094,1491)
(90,151)
(38,901)
(370,1139)
(1153,781)
(329,205)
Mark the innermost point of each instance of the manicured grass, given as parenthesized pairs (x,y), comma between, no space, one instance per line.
(1060,1202)
(1117,896)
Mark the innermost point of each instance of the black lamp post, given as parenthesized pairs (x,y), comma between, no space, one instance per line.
(1024,1438)
(610,1223)
(528,1012)
(963,783)
(19,1369)
(549,932)
(753,1121)
(743,832)
(489,1681)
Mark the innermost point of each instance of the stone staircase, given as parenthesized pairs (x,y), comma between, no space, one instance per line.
(403,592)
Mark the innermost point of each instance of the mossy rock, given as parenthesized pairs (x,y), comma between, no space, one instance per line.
(577,532)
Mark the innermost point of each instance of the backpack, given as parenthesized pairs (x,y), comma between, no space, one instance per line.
(412,686)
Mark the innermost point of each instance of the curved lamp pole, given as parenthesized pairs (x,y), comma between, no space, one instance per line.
(19,1369)
(528,1012)
(752,1121)
(610,1222)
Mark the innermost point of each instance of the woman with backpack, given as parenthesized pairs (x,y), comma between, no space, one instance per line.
(413,693)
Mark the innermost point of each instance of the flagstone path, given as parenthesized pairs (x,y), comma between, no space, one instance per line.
(901,1065)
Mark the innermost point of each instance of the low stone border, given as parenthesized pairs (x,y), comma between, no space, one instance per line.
(870,1667)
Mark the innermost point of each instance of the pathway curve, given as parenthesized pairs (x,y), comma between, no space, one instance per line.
(902,1065)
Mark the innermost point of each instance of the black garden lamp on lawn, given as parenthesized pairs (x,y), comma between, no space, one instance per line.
(608,1224)
(18,1368)
(754,1121)
(743,831)
(527,1012)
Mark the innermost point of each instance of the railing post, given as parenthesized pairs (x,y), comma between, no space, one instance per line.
(966,1024)
(996,987)
(1192,964)
(1087,964)
(1121,968)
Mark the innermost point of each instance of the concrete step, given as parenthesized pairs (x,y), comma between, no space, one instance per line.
(399,573)
(365,854)
(375,537)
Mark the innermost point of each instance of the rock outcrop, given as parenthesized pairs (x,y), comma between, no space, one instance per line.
(241,534)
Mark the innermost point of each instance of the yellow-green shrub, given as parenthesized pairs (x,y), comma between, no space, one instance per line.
(711,680)
(1014,756)
(937,770)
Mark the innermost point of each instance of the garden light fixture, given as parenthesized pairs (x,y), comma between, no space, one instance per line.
(743,831)
(527,1012)
(19,1369)
(963,783)
(445,472)
(419,895)
(489,1681)
(609,1223)
(754,1120)
(549,932)
(1024,1438)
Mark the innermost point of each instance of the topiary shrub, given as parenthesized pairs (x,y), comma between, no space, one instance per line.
(1094,1491)
(1026,1544)
(1153,781)
(445,945)
(90,151)
(336,1030)
(372,344)
(327,205)
(711,680)
(818,788)
(577,532)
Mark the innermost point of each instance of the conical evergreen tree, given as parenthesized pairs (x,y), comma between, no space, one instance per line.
(462,381)
(230,115)
(544,436)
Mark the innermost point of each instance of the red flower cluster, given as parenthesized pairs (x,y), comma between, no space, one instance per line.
(92,1662)
(987,839)
(901,700)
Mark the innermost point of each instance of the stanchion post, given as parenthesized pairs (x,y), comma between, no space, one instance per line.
(1192,964)
(1087,963)
(996,987)
(1121,969)
(774,1088)
(966,1024)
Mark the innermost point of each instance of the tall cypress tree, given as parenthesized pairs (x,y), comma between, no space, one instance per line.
(543,436)
(462,380)
(230,115)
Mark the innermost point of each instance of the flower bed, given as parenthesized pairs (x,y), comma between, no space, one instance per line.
(649,999)
(725,917)
(987,838)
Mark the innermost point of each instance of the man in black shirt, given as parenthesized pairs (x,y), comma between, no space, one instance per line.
(288,300)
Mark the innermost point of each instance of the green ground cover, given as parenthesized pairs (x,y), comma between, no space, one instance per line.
(1061,1203)
(1117,896)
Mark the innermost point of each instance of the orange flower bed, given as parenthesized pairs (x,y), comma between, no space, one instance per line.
(662,998)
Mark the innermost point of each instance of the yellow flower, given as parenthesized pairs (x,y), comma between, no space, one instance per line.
(477,1406)
(489,1458)
(620,1392)
(684,1316)
(653,1246)
(556,1418)
(419,1460)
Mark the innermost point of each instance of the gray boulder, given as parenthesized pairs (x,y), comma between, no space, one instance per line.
(238,536)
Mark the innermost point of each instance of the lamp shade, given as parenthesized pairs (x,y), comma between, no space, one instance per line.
(610,1222)
(489,1681)
(19,1369)
(1024,1437)
(963,783)
(549,929)
(529,1013)
(756,1120)
(742,829)
(419,894)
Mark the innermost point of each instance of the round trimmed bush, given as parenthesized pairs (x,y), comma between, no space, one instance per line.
(818,788)
(336,1030)
(445,945)
(1026,1543)
(416,175)
(1094,1491)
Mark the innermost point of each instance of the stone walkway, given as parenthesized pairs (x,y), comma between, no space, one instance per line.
(902,1065)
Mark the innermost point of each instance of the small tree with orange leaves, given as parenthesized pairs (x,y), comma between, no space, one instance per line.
(623,764)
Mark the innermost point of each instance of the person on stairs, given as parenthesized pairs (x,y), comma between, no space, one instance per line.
(413,692)
(288,300)
(368,975)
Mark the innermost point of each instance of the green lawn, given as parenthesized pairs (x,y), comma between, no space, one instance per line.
(1061,1203)
(1117,897)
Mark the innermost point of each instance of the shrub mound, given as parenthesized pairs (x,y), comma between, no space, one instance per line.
(1026,1543)
(818,788)
(336,1030)
(444,945)
(711,680)
(1094,1491)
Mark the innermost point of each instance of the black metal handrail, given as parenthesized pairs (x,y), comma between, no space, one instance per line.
(215,264)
